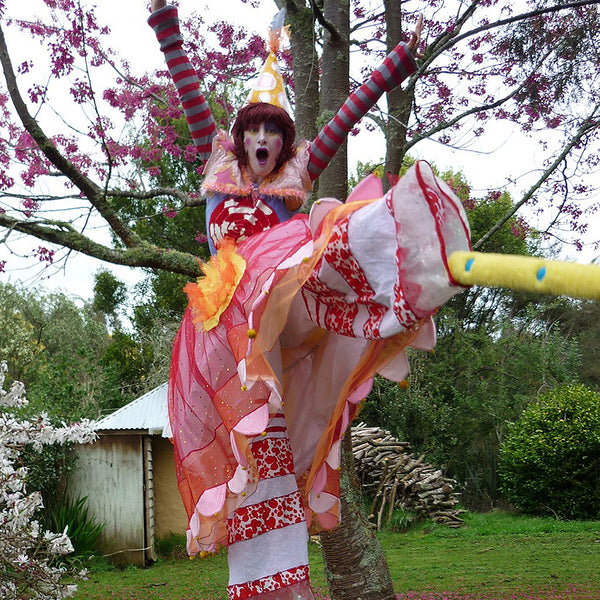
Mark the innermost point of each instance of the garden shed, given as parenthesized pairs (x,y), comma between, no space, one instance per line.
(128,476)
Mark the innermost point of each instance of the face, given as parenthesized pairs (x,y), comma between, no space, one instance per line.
(263,145)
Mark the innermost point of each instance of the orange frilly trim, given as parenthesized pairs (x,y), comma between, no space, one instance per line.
(210,296)
(276,37)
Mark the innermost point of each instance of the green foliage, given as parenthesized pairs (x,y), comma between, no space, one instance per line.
(137,358)
(514,237)
(580,320)
(493,308)
(54,345)
(48,471)
(460,397)
(109,292)
(400,521)
(362,170)
(164,300)
(550,458)
(172,546)
(128,361)
(83,529)
(20,343)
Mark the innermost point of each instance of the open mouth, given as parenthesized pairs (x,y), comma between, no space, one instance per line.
(262,155)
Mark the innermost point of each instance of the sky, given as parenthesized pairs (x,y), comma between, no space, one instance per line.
(490,164)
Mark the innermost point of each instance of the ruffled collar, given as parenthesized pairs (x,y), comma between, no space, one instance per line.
(224,175)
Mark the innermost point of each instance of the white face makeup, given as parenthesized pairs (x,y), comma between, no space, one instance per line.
(263,145)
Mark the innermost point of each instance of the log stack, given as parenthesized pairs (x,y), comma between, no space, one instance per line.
(396,479)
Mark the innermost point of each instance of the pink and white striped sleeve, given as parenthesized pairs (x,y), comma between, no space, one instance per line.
(165,23)
(396,67)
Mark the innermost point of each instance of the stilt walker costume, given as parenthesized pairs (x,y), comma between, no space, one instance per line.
(284,333)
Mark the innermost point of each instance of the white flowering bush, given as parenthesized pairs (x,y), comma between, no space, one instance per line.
(29,568)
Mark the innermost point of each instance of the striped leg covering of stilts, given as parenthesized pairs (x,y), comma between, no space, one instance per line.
(268,538)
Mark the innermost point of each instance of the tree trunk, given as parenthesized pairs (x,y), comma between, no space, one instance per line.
(399,102)
(335,88)
(355,564)
(306,69)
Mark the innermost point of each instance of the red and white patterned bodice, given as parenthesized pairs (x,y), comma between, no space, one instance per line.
(239,218)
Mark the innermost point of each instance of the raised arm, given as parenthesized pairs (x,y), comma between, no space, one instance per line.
(165,22)
(397,66)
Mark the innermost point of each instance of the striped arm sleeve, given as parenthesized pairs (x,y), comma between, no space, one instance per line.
(397,66)
(197,113)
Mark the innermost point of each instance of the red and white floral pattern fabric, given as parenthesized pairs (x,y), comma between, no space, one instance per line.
(338,314)
(292,584)
(249,521)
(239,218)
(267,532)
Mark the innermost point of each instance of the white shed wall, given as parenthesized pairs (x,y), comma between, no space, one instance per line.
(110,473)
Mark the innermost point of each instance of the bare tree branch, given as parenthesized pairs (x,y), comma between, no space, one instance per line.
(184,198)
(324,22)
(142,255)
(359,24)
(524,17)
(451,38)
(443,42)
(587,126)
(473,111)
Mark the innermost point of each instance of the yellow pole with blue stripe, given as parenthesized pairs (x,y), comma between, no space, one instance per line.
(526,274)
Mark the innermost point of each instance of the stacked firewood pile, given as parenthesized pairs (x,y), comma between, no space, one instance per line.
(396,479)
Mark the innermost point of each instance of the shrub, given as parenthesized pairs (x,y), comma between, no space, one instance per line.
(47,471)
(29,553)
(82,528)
(401,520)
(461,397)
(550,458)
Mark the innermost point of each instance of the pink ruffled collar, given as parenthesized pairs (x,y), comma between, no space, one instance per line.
(224,175)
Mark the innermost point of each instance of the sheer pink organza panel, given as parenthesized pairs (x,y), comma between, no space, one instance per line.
(206,396)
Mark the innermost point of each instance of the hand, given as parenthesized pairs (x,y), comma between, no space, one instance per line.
(415,38)
(158,4)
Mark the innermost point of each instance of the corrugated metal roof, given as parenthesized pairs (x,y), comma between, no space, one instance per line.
(148,412)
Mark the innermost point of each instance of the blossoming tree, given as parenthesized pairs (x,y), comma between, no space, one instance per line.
(63,180)
(28,553)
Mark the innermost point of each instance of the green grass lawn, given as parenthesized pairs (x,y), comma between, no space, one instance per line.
(496,556)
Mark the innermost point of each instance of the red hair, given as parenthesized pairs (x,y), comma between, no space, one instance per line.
(254,114)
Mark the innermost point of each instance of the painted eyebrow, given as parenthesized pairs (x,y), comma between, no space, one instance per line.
(270,126)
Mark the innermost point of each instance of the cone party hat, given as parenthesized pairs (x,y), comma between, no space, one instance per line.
(269,87)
